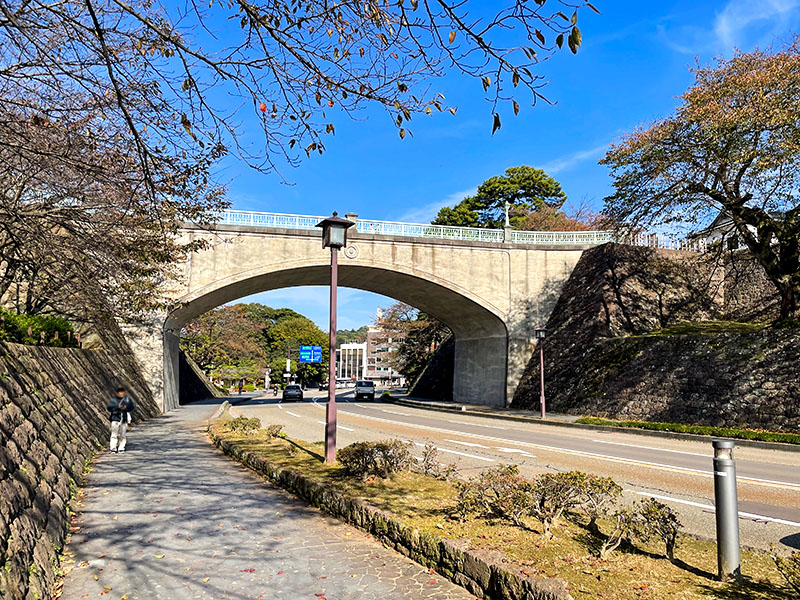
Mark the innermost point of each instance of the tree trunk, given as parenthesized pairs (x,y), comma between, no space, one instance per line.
(790,293)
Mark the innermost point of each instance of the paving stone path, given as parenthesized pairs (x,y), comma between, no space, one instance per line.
(172,518)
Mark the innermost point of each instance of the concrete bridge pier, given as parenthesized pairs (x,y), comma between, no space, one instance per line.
(480,370)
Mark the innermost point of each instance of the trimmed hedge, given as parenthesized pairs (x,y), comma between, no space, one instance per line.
(14,328)
(728,432)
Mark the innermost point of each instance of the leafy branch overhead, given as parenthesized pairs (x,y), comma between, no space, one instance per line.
(288,66)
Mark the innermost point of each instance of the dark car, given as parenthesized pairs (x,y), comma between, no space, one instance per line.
(365,389)
(323,385)
(293,392)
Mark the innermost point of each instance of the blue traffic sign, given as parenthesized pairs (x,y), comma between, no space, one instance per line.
(310,354)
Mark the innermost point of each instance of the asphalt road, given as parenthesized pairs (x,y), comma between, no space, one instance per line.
(676,472)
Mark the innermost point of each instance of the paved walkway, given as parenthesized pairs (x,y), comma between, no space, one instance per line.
(172,518)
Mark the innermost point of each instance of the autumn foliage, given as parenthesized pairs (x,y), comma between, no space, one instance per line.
(733,145)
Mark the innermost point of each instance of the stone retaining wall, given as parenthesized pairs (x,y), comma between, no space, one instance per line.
(52,419)
(749,380)
(598,362)
(487,574)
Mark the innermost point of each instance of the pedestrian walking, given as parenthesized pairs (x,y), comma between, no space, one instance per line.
(120,406)
(241,386)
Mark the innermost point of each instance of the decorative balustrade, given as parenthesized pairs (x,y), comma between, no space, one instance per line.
(467,234)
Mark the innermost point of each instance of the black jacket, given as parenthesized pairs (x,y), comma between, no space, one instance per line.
(120,407)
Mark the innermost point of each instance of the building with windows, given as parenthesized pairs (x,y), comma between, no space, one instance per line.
(380,347)
(351,361)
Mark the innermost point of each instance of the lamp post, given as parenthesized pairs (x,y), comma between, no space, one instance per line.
(334,236)
(540,335)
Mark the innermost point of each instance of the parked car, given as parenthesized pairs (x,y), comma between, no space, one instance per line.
(293,392)
(365,389)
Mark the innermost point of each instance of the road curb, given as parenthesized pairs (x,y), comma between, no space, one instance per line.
(671,435)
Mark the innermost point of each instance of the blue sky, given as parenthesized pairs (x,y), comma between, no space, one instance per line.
(633,64)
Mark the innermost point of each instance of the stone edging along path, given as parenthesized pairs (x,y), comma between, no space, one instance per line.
(484,573)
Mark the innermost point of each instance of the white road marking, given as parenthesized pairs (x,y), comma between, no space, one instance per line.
(711,508)
(317,405)
(705,455)
(656,465)
(768,481)
(360,405)
(337,425)
(467,444)
(394,412)
(514,451)
(288,412)
(459,453)
(279,406)
(479,425)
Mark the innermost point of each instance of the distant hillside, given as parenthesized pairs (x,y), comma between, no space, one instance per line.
(350,336)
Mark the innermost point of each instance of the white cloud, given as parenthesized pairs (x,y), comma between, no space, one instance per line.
(564,163)
(739,24)
(734,25)
(427,212)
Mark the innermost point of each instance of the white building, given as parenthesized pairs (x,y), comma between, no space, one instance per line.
(351,361)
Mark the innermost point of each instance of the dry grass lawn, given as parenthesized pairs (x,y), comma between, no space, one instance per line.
(630,574)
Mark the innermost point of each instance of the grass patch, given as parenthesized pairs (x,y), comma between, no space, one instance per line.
(427,504)
(706,327)
(728,432)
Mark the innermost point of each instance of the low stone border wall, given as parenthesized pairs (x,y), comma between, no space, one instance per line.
(487,574)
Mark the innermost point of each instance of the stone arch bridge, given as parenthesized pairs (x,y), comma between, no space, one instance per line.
(491,287)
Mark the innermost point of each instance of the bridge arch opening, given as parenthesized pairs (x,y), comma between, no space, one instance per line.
(479,331)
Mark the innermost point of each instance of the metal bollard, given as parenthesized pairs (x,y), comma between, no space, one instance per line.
(727,511)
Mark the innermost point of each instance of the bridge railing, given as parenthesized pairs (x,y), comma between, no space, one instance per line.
(562,237)
(417,230)
(445,232)
(469,234)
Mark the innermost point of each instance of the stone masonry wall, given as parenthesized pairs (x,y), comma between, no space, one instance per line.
(747,380)
(598,362)
(52,419)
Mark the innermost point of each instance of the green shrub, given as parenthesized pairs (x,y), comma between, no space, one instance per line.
(499,492)
(57,330)
(660,521)
(789,568)
(597,494)
(429,464)
(382,458)
(273,431)
(728,432)
(555,493)
(244,425)
(625,526)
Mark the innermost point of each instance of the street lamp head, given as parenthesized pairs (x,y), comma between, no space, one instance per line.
(541,333)
(334,231)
